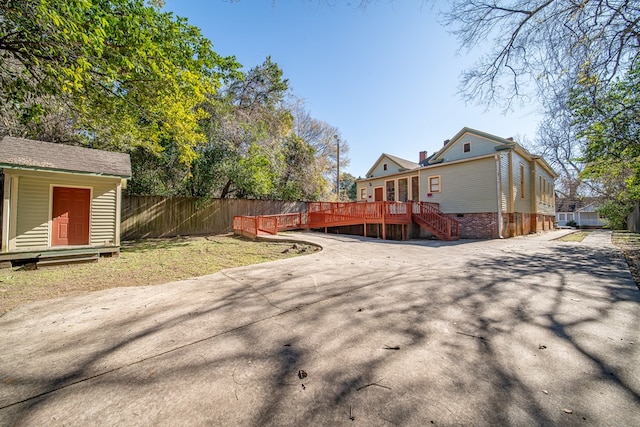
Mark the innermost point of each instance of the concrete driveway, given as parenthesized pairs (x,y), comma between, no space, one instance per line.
(524,331)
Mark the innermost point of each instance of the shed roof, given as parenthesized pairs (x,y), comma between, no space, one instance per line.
(30,154)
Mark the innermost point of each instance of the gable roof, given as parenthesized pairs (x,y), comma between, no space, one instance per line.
(20,153)
(501,144)
(402,164)
(498,140)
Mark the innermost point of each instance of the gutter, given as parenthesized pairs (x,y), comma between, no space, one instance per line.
(65,171)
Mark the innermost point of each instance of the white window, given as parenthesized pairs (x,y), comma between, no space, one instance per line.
(434,184)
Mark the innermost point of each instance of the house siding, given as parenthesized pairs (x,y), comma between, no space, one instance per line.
(505,182)
(479,147)
(33,211)
(468,187)
(381,182)
(545,205)
(521,204)
(392,167)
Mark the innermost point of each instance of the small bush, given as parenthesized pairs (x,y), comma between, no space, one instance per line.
(571,223)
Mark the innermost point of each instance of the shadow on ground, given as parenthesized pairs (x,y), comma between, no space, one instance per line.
(469,334)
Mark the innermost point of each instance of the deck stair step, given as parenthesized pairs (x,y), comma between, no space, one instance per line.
(68,259)
(434,221)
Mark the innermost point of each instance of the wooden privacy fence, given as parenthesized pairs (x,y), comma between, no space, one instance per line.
(158,216)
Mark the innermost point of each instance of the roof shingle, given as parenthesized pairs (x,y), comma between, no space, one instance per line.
(32,154)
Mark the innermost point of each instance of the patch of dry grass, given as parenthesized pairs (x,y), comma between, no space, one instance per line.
(629,244)
(576,236)
(146,262)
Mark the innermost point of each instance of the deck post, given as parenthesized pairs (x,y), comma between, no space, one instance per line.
(384,225)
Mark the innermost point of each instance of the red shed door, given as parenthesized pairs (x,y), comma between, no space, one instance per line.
(70,216)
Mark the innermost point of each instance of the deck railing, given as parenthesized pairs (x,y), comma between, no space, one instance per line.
(322,214)
(445,226)
(246,225)
(251,226)
(331,214)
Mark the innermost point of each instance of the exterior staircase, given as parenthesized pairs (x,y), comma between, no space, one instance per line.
(431,219)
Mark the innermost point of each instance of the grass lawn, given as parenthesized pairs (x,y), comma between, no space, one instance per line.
(146,262)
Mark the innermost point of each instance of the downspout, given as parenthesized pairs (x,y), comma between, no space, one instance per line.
(499,194)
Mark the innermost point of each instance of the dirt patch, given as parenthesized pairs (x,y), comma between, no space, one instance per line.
(629,243)
(142,263)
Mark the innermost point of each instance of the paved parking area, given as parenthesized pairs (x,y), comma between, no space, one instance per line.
(522,331)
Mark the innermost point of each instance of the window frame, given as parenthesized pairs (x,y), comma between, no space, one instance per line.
(430,184)
(466,147)
(406,195)
(386,190)
(415,189)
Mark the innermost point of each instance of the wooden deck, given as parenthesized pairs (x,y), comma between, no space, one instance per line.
(330,214)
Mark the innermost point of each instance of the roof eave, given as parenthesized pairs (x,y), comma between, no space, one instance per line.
(65,171)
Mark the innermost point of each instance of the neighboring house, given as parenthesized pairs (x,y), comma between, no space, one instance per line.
(582,213)
(59,199)
(492,186)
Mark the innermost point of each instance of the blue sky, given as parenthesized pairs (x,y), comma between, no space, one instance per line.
(386,76)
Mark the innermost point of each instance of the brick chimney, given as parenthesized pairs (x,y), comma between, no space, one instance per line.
(423,156)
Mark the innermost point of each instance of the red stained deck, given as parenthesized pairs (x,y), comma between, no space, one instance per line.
(331,214)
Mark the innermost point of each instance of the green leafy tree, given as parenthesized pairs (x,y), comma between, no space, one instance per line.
(129,74)
(297,181)
(251,140)
(608,122)
(347,187)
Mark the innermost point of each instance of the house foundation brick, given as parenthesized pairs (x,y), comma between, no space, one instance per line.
(477,225)
(484,225)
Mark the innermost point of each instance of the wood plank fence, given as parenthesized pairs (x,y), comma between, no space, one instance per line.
(158,216)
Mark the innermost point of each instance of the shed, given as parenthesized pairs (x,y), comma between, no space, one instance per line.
(59,200)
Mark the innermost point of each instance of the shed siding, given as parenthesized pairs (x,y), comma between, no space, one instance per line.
(32,222)
(467,187)
(32,229)
(479,147)
(103,214)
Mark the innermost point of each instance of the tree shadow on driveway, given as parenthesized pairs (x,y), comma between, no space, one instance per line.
(480,333)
